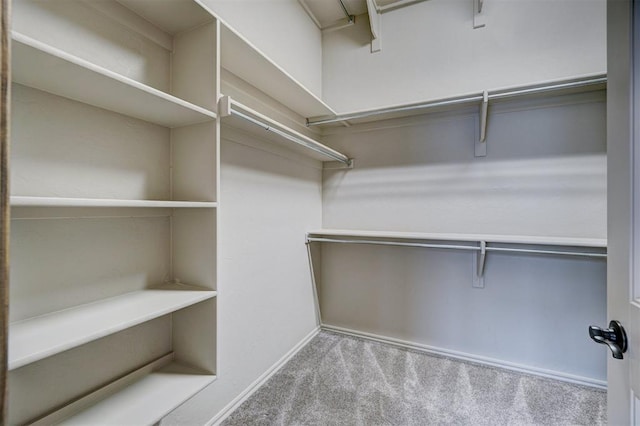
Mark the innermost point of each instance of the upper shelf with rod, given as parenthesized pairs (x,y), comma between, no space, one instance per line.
(241,116)
(553,88)
(480,244)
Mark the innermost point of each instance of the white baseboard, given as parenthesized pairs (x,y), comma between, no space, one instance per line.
(236,402)
(551,374)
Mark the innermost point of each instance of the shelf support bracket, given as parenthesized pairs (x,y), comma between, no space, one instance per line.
(479,18)
(478,265)
(481,143)
(375,22)
(484,113)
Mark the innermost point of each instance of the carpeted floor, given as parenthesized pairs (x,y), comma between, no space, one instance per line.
(340,380)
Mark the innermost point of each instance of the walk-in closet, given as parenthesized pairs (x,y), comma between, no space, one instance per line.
(311,212)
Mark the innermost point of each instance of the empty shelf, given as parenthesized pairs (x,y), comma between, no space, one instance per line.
(46,68)
(244,60)
(18,201)
(146,401)
(36,338)
(141,397)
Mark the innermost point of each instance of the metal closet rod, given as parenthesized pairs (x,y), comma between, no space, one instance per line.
(346,12)
(456,247)
(297,138)
(504,94)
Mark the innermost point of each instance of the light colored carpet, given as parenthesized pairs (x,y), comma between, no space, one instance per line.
(340,380)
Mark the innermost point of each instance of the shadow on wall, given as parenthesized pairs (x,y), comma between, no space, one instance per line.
(426,296)
(523,129)
(544,173)
(145,62)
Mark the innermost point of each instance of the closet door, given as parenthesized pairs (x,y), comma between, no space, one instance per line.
(623,199)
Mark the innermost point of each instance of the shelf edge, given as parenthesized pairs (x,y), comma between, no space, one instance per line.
(28,201)
(501,239)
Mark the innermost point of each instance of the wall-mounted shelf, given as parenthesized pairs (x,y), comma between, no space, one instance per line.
(240,116)
(40,337)
(244,60)
(38,65)
(481,244)
(499,239)
(20,201)
(560,87)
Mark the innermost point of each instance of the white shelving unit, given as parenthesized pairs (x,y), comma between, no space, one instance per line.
(114,195)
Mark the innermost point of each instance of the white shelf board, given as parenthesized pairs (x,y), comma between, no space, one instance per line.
(241,58)
(36,338)
(505,239)
(146,401)
(173,16)
(38,65)
(20,201)
(578,84)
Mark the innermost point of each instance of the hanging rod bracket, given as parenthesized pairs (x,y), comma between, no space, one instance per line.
(479,18)
(484,112)
(478,266)
(480,146)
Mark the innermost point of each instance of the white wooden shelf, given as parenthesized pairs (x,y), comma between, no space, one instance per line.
(488,238)
(38,65)
(241,58)
(146,401)
(20,201)
(36,338)
(141,397)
